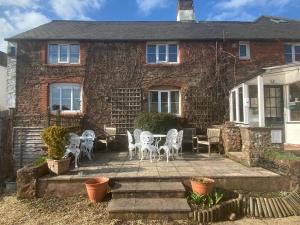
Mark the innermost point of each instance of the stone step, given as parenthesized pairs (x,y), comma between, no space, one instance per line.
(148,190)
(145,208)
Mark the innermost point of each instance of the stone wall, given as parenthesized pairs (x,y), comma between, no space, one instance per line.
(254,142)
(231,136)
(204,84)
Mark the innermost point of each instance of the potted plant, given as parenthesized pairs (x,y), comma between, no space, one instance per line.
(56,138)
(202,186)
(97,188)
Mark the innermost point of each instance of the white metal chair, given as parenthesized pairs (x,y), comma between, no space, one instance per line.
(87,145)
(137,138)
(73,147)
(147,140)
(170,142)
(131,145)
(178,145)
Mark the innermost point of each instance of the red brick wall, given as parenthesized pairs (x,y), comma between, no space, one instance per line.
(104,66)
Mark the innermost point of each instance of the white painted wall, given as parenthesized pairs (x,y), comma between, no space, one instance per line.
(292,132)
(3,91)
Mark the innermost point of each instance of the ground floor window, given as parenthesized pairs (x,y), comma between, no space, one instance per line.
(273,104)
(167,101)
(294,101)
(65,97)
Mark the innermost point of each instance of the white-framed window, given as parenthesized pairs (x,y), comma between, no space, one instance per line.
(292,53)
(237,105)
(244,50)
(63,53)
(165,101)
(66,97)
(162,53)
(294,102)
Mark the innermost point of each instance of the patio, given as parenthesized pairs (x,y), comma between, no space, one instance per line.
(117,167)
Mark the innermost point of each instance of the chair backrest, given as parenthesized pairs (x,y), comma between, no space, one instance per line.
(74,140)
(130,139)
(188,135)
(171,136)
(137,135)
(213,135)
(146,138)
(89,134)
(110,130)
(180,137)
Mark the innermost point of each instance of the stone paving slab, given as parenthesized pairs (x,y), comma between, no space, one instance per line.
(148,187)
(117,165)
(135,205)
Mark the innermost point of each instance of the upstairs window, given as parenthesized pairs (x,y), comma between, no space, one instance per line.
(292,53)
(162,53)
(63,53)
(164,101)
(244,50)
(65,97)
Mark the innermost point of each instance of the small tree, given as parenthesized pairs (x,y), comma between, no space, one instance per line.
(156,122)
(56,138)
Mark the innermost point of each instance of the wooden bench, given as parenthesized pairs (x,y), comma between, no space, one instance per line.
(213,137)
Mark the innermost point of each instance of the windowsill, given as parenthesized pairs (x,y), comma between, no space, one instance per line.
(64,65)
(244,59)
(161,64)
(66,114)
(293,122)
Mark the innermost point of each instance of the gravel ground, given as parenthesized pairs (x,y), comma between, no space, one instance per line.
(79,211)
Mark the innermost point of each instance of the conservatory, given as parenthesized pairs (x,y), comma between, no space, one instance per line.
(271,99)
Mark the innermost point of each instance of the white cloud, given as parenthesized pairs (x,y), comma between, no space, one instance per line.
(235,15)
(234,4)
(16,21)
(20,3)
(146,6)
(75,9)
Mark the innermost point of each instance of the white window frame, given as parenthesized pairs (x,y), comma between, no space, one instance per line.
(235,93)
(68,53)
(61,86)
(293,45)
(248,54)
(169,100)
(167,52)
(288,106)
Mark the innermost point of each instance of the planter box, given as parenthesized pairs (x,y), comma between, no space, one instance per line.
(59,167)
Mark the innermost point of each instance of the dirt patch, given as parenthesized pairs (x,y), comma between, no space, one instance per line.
(74,210)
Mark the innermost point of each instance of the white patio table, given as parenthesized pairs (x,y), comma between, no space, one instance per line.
(158,138)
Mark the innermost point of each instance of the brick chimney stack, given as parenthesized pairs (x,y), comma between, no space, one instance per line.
(185,11)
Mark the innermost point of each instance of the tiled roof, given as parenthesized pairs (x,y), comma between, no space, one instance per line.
(262,28)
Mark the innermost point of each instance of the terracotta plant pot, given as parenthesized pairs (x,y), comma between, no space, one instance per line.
(97,188)
(202,186)
(59,167)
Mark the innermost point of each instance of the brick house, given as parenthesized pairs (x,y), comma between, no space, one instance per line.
(109,72)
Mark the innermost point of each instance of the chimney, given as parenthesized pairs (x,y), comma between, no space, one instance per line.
(185,11)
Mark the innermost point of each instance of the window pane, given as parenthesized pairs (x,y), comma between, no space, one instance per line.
(74,53)
(164,102)
(151,49)
(76,99)
(151,54)
(63,57)
(174,96)
(151,58)
(241,106)
(288,49)
(55,95)
(173,49)
(295,102)
(297,53)
(175,108)
(243,51)
(53,54)
(153,101)
(233,106)
(66,98)
(162,53)
(288,58)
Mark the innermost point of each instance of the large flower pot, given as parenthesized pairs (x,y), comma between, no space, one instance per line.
(202,186)
(59,167)
(97,188)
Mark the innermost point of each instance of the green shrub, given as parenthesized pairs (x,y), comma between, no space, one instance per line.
(40,161)
(206,201)
(272,154)
(158,123)
(56,138)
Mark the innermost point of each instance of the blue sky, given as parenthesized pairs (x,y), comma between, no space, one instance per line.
(20,15)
